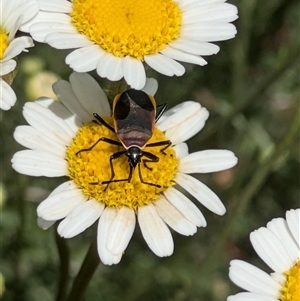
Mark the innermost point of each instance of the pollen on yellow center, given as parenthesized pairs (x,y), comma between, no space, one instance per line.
(3,43)
(291,288)
(88,169)
(128,27)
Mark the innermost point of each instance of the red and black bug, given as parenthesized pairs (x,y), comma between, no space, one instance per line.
(134,117)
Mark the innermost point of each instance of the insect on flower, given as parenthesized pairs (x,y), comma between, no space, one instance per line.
(134,117)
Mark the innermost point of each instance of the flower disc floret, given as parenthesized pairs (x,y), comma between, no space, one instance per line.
(291,288)
(93,166)
(3,43)
(135,28)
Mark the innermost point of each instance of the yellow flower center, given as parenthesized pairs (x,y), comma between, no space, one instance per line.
(88,169)
(3,43)
(291,288)
(128,27)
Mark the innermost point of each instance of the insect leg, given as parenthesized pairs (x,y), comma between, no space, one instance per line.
(104,139)
(167,143)
(141,178)
(103,122)
(113,157)
(161,111)
(151,158)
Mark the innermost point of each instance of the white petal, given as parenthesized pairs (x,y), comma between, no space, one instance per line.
(174,218)
(33,25)
(201,192)
(270,249)
(214,13)
(183,56)
(28,42)
(279,277)
(207,161)
(15,23)
(33,139)
(80,218)
(185,206)
(39,163)
(104,224)
(64,91)
(186,5)
(293,221)
(155,231)
(40,30)
(120,231)
(4,105)
(151,86)
(62,112)
(14,49)
(188,128)
(67,40)
(6,67)
(7,96)
(24,9)
(55,6)
(252,279)
(208,32)
(178,114)
(43,224)
(280,228)
(134,72)
(195,47)
(181,150)
(60,204)
(84,59)
(164,64)
(30,9)
(7,7)
(251,297)
(110,66)
(46,122)
(90,94)
(69,185)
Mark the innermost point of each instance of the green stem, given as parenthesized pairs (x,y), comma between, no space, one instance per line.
(115,88)
(241,48)
(19,243)
(257,180)
(85,273)
(64,257)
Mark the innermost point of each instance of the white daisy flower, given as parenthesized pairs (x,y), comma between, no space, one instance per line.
(278,245)
(60,137)
(116,37)
(13,15)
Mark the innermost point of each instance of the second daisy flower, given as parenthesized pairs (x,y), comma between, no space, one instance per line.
(56,133)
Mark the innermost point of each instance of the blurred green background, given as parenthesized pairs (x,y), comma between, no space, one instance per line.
(251,89)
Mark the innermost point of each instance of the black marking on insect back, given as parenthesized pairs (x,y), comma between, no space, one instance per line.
(132,99)
(134,118)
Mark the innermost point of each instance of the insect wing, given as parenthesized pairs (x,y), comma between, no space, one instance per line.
(134,117)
